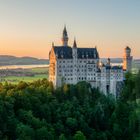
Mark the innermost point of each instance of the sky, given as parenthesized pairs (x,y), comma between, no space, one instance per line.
(28,27)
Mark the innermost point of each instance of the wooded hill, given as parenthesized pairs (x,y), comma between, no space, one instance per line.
(37,111)
(12,60)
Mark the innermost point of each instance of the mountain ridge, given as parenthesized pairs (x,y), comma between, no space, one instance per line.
(25,60)
(28,60)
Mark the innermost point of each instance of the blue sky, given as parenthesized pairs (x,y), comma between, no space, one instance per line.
(27,27)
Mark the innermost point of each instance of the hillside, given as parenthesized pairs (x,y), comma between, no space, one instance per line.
(37,111)
(12,60)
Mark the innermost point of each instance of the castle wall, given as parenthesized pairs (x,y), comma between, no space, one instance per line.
(52,67)
(72,65)
(70,71)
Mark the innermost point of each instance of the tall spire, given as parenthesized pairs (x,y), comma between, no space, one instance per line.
(74,43)
(65,37)
(52,44)
(65,31)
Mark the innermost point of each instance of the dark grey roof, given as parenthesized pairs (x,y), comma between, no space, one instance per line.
(108,67)
(87,53)
(63,52)
(66,52)
(116,67)
(113,67)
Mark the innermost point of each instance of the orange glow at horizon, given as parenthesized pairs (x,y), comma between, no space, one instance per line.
(40,48)
(20,48)
(29,28)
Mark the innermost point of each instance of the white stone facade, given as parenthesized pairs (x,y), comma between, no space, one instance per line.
(71,65)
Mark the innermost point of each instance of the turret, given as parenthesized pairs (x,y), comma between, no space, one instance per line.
(127,59)
(74,49)
(65,37)
(52,44)
(108,62)
(74,43)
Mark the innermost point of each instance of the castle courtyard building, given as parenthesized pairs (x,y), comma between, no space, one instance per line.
(70,65)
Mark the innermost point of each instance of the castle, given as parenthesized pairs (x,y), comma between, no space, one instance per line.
(71,65)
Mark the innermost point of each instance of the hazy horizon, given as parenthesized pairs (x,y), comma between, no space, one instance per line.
(28,28)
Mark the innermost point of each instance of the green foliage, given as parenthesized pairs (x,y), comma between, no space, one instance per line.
(62,137)
(79,136)
(24,132)
(131,90)
(33,111)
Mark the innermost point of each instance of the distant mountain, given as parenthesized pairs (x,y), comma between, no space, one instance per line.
(137,61)
(113,60)
(12,60)
(118,60)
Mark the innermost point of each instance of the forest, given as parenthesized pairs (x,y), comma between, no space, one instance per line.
(37,111)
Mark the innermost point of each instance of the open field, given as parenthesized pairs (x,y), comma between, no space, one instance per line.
(38,70)
(16,79)
(27,75)
(32,74)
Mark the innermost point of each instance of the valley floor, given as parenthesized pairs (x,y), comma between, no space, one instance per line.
(27,75)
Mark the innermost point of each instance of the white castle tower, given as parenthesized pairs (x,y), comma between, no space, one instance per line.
(65,37)
(127,59)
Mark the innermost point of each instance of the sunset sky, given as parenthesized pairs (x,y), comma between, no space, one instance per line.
(28,27)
